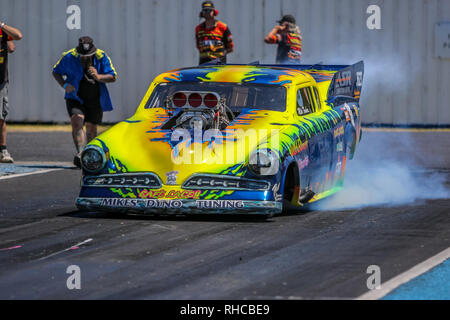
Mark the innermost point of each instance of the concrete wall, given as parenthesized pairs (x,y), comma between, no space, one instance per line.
(404,84)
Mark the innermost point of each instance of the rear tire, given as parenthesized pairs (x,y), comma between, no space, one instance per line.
(292,179)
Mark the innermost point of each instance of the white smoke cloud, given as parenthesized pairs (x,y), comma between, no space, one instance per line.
(383,175)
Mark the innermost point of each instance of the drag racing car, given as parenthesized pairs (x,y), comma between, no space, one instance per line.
(256,139)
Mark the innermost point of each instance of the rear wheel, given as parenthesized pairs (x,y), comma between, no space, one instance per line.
(292,180)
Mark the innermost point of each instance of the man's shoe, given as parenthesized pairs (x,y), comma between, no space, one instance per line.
(5,157)
(77,161)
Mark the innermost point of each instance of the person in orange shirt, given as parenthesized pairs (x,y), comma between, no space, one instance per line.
(213,37)
(287,35)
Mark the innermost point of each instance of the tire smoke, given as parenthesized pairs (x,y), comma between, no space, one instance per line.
(391,170)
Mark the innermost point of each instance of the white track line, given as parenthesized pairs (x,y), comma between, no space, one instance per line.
(406,276)
(28,173)
(70,248)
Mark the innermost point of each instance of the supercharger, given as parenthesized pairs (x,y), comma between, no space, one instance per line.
(198,109)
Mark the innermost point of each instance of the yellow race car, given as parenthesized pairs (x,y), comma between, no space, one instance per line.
(254,139)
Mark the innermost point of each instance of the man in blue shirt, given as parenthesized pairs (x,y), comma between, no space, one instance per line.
(83,73)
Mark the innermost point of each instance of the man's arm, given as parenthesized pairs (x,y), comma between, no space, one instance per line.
(108,72)
(14,33)
(11,47)
(105,78)
(229,45)
(197,42)
(274,35)
(59,79)
(69,88)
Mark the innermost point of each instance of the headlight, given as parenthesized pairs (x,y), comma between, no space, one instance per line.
(93,159)
(263,162)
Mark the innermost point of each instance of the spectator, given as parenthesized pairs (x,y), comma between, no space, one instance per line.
(86,70)
(213,37)
(7,35)
(287,35)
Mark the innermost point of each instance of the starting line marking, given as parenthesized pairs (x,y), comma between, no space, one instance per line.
(25,168)
(406,276)
(10,176)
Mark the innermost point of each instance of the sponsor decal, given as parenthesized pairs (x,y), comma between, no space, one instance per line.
(186,194)
(359,77)
(171,177)
(141,203)
(172,194)
(219,204)
(343,83)
(344,79)
(170,204)
(338,131)
(303,163)
(349,114)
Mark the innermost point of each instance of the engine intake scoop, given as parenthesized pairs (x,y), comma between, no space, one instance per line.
(198,110)
(194,99)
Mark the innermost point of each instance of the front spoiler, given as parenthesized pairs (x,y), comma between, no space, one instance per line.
(183,206)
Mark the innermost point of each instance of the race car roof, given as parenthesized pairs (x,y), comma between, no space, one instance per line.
(281,76)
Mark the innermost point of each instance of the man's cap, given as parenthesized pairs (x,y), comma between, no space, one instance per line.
(287,18)
(86,46)
(207,5)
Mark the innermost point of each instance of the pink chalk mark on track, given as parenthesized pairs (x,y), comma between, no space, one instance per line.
(11,248)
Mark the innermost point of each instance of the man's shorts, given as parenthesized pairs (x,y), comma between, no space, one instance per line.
(92,111)
(4,107)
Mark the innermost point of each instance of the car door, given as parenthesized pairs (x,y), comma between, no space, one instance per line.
(306,160)
(328,154)
(316,175)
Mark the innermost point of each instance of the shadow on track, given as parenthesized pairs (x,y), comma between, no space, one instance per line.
(180,217)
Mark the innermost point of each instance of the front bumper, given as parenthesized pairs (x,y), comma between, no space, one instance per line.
(182,206)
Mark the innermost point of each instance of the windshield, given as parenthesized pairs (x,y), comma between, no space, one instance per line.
(253,96)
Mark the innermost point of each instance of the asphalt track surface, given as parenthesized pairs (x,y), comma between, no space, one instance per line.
(309,255)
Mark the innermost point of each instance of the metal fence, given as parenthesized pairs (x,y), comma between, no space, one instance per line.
(405,82)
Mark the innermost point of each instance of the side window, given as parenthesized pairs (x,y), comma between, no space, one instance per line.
(316,93)
(304,101)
